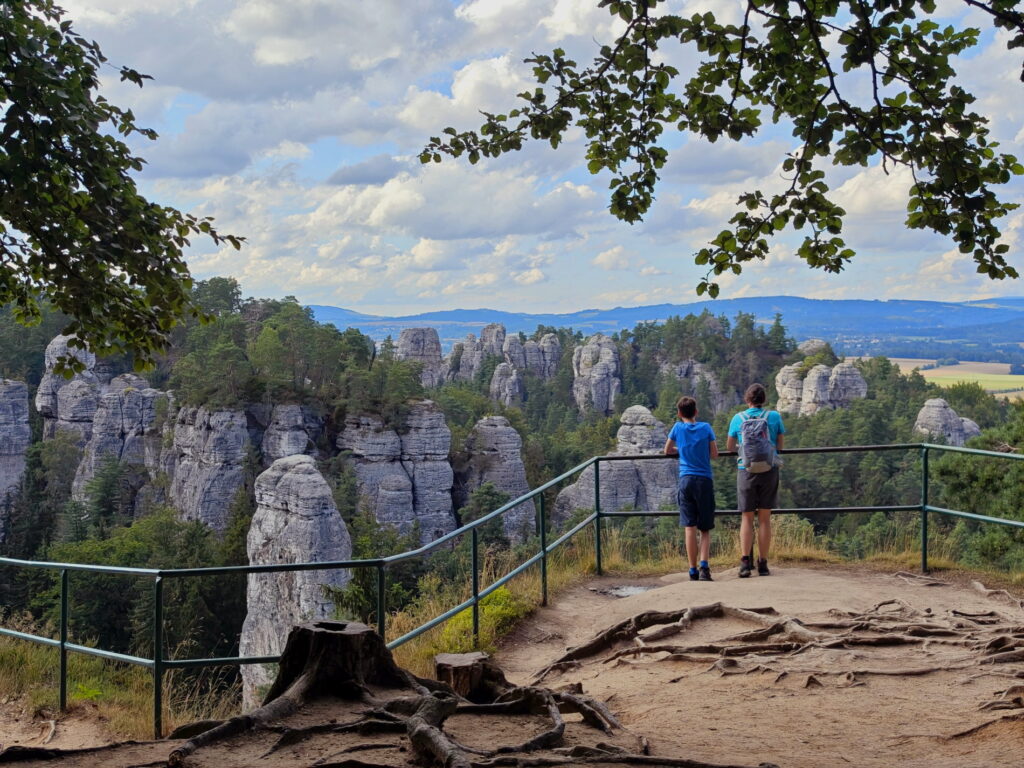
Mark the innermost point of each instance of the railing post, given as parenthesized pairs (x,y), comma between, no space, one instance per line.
(597,517)
(63,639)
(476,589)
(158,654)
(543,552)
(381,606)
(924,509)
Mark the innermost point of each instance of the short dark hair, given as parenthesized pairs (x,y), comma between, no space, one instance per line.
(687,407)
(755,394)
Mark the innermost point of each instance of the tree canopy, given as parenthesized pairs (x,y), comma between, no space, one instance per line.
(75,232)
(859,81)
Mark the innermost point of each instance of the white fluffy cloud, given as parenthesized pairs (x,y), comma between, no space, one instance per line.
(298,124)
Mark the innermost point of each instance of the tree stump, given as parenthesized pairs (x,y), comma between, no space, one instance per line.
(473,676)
(336,658)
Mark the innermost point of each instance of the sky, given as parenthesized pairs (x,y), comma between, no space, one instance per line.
(297,124)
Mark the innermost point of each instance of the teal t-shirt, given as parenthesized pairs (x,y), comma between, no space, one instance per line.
(775,426)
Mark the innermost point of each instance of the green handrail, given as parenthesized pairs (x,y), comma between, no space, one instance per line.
(158,664)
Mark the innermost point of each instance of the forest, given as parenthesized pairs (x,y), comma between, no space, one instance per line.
(249,351)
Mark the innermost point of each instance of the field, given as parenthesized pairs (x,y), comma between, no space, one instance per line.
(995,377)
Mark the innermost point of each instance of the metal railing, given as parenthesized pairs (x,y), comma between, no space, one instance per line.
(159,664)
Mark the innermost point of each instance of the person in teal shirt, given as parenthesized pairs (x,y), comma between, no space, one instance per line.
(694,443)
(756,492)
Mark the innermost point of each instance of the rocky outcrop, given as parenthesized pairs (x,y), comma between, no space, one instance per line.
(822,388)
(403,475)
(15,436)
(422,345)
(67,404)
(493,454)
(506,386)
(541,358)
(126,428)
(596,381)
(810,347)
(846,384)
(293,429)
(697,379)
(467,357)
(938,420)
(295,521)
(514,351)
(789,384)
(206,458)
(642,485)
(814,397)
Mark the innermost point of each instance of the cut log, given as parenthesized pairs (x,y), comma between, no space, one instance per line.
(474,676)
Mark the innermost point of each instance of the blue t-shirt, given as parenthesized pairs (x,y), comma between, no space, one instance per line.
(692,441)
(775,426)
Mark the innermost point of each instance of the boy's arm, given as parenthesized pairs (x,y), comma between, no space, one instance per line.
(713,445)
(779,441)
(731,444)
(670,448)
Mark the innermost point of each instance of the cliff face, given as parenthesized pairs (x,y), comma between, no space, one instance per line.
(422,345)
(404,475)
(467,357)
(207,458)
(648,485)
(823,388)
(493,454)
(68,404)
(293,429)
(506,386)
(295,521)
(15,437)
(694,376)
(938,420)
(596,381)
(126,429)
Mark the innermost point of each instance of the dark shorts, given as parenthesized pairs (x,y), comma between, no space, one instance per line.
(696,499)
(757,491)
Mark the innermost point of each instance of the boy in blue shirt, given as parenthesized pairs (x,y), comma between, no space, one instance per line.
(694,443)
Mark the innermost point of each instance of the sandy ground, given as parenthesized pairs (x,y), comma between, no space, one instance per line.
(827,704)
(688,711)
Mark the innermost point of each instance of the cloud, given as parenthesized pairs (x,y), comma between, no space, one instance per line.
(375,170)
(612,259)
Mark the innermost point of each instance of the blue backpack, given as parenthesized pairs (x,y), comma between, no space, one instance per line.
(757,452)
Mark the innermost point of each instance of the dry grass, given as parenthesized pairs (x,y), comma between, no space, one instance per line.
(122,693)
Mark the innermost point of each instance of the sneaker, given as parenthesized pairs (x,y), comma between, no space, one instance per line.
(762,568)
(744,567)
(705,573)
(694,576)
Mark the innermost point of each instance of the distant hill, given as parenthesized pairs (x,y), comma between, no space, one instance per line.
(844,322)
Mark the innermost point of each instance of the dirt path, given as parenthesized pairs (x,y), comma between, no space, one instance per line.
(850,668)
(688,709)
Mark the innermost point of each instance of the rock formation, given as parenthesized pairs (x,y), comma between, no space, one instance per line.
(515,352)
(506,386)
(596,381)
(823,388)
(810,347)
(814,397)
(493,454)
(422,345)
(125,428)
(67,404)
(541,358)
(692,375)
(295,522)
(15,436)
(293,429)
(938,420)
(207,455)
(641,485)
(404,475)
(467,357)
